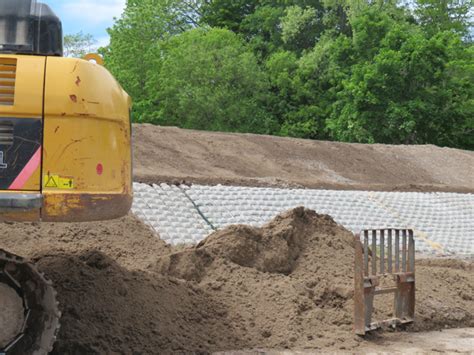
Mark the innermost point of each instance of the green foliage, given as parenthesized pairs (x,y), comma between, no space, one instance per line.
(133,55)
(317,81)
(262,30)
(402,89)
(209,80)
(227,13)
(131,39)
(281,67)
(78,45)
(446,15)
(298,27)
(349,70)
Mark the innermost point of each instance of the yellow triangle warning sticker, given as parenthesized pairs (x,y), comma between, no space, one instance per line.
(58,182)
(51,181)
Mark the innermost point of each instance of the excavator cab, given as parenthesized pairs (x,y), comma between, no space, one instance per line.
(28,27)
(64,125)
(65,156)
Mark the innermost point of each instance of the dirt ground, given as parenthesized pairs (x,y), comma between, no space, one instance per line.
(448,341)
(287,285)
(167,154)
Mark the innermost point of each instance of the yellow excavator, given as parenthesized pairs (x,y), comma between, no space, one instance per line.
(65,156)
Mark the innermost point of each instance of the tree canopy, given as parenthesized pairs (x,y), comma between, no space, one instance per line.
(347,70)
(78,44)
(208,79)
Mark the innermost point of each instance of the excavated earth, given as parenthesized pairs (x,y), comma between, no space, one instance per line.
(288,285)
(173,155)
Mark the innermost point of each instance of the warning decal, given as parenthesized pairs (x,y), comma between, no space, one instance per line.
(58,182)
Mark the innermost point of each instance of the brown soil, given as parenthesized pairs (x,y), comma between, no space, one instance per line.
(286,285)
(447,341)
(11,317)
(167,154)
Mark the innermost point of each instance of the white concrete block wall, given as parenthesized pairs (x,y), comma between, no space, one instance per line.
(443,222)
(167,209)
(446,218)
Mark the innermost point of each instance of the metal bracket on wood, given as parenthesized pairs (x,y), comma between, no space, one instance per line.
(380,249)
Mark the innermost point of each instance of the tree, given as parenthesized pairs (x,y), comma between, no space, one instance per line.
(264,22)
(227,13)
(386,83)
(78,45)
(209,80)
(351,70)
(262,30)
(316,81)
(446,15)
(133,55)
(404,87)
(301,27)
(189,11)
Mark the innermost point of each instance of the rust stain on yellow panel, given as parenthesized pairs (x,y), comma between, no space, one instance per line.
(87,127)
(23,216)
(74,207)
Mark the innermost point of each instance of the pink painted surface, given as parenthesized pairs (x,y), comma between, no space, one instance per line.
(27,171)
(99,169)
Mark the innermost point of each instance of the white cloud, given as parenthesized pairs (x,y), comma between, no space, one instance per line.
(94,12)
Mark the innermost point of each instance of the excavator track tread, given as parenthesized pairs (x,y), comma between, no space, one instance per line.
(42,315)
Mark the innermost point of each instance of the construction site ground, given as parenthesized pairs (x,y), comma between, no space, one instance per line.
(452,341)
(285,286)
(173,155)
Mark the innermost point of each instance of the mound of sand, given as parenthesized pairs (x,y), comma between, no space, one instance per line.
(173,155)
(286,285)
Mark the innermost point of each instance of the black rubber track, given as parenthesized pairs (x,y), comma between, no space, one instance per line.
(42,314)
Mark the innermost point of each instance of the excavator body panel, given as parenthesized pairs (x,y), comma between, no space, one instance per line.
(87,173)
(64,141)
(65,156)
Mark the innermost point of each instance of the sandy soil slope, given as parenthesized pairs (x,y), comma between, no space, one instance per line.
(175,155)
(287,285)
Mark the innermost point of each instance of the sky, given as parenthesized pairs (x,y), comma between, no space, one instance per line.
(88,16)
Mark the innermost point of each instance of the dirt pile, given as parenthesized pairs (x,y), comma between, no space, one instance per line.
(276,248)
(282,284)
(286,285)
(173,155)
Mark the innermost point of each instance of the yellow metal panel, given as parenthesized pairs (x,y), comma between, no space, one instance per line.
(29,82)
(86,141)
(90,151)
(77,88)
